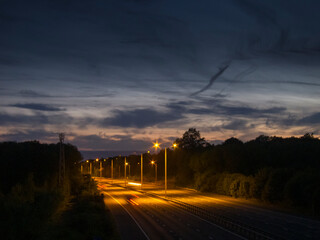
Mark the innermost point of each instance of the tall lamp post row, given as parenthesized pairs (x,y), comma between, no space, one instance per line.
(156,146)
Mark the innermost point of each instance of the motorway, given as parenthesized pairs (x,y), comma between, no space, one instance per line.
(151,216)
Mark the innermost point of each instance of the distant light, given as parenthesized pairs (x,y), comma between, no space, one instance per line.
(127,163)
(87,161)
(174,145)
(135,184)
(148,151)
(152,162)
(97,159)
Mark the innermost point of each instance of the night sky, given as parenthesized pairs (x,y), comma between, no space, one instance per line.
(120,74)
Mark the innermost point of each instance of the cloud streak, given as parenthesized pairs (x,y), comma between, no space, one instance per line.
(139,118)
(37,106)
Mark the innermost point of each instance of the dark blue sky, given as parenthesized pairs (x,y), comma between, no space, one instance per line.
(117,75)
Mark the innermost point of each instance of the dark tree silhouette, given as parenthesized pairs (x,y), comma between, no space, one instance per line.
(191,140)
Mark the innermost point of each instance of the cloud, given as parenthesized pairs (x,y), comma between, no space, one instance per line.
(311,119)
(30,135)
(32,94)
(37,106)
(114,143)
(38,119)
(7,119)
(249,111)
(212,80)
(236,125)
(140,118)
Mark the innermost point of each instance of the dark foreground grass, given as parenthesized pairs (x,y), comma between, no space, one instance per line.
(85,218)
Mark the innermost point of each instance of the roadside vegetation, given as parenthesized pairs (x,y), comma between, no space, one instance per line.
(279,171)
(34,206)
(282,171)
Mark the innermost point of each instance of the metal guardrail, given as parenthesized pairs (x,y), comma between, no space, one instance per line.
(232,225)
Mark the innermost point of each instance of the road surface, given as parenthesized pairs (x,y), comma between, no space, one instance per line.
(150,217)
(143,217)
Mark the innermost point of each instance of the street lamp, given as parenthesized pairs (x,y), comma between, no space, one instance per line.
(111,170)
(100,168)
(155,170)
(141,171)
(157,145)
(125,171)
(91,169)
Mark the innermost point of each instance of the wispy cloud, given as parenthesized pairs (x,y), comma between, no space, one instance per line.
(31,94)
(37,106)
(110,143)
(30,135)
(139,118)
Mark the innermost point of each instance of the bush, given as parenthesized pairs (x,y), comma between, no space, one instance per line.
(274,187)
(260,180)
(300,188)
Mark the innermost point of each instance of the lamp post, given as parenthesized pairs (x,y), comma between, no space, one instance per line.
(157,145)
(100,168)
(125,171)
(87,171)
(165,172)
(112,170)
(155,170)
(141,171)
(97,160)
(129,169)
(105,172)
(91,168)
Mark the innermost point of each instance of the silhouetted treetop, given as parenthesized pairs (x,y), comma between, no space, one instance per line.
(232,140)
(308,136)
(191,140)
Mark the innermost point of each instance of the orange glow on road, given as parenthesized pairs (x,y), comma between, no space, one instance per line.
(135,184)
(134,202)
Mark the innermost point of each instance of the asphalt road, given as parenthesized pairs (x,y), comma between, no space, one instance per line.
(162,220)
(139,216)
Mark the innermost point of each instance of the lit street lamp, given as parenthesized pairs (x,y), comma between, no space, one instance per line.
(112,170)
(125,171)
(157,145)
(155,170)
(141,171)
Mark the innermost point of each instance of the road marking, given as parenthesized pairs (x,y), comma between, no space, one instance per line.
(130,216)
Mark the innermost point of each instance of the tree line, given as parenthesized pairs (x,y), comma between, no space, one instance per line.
(278,170)
(32,201)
